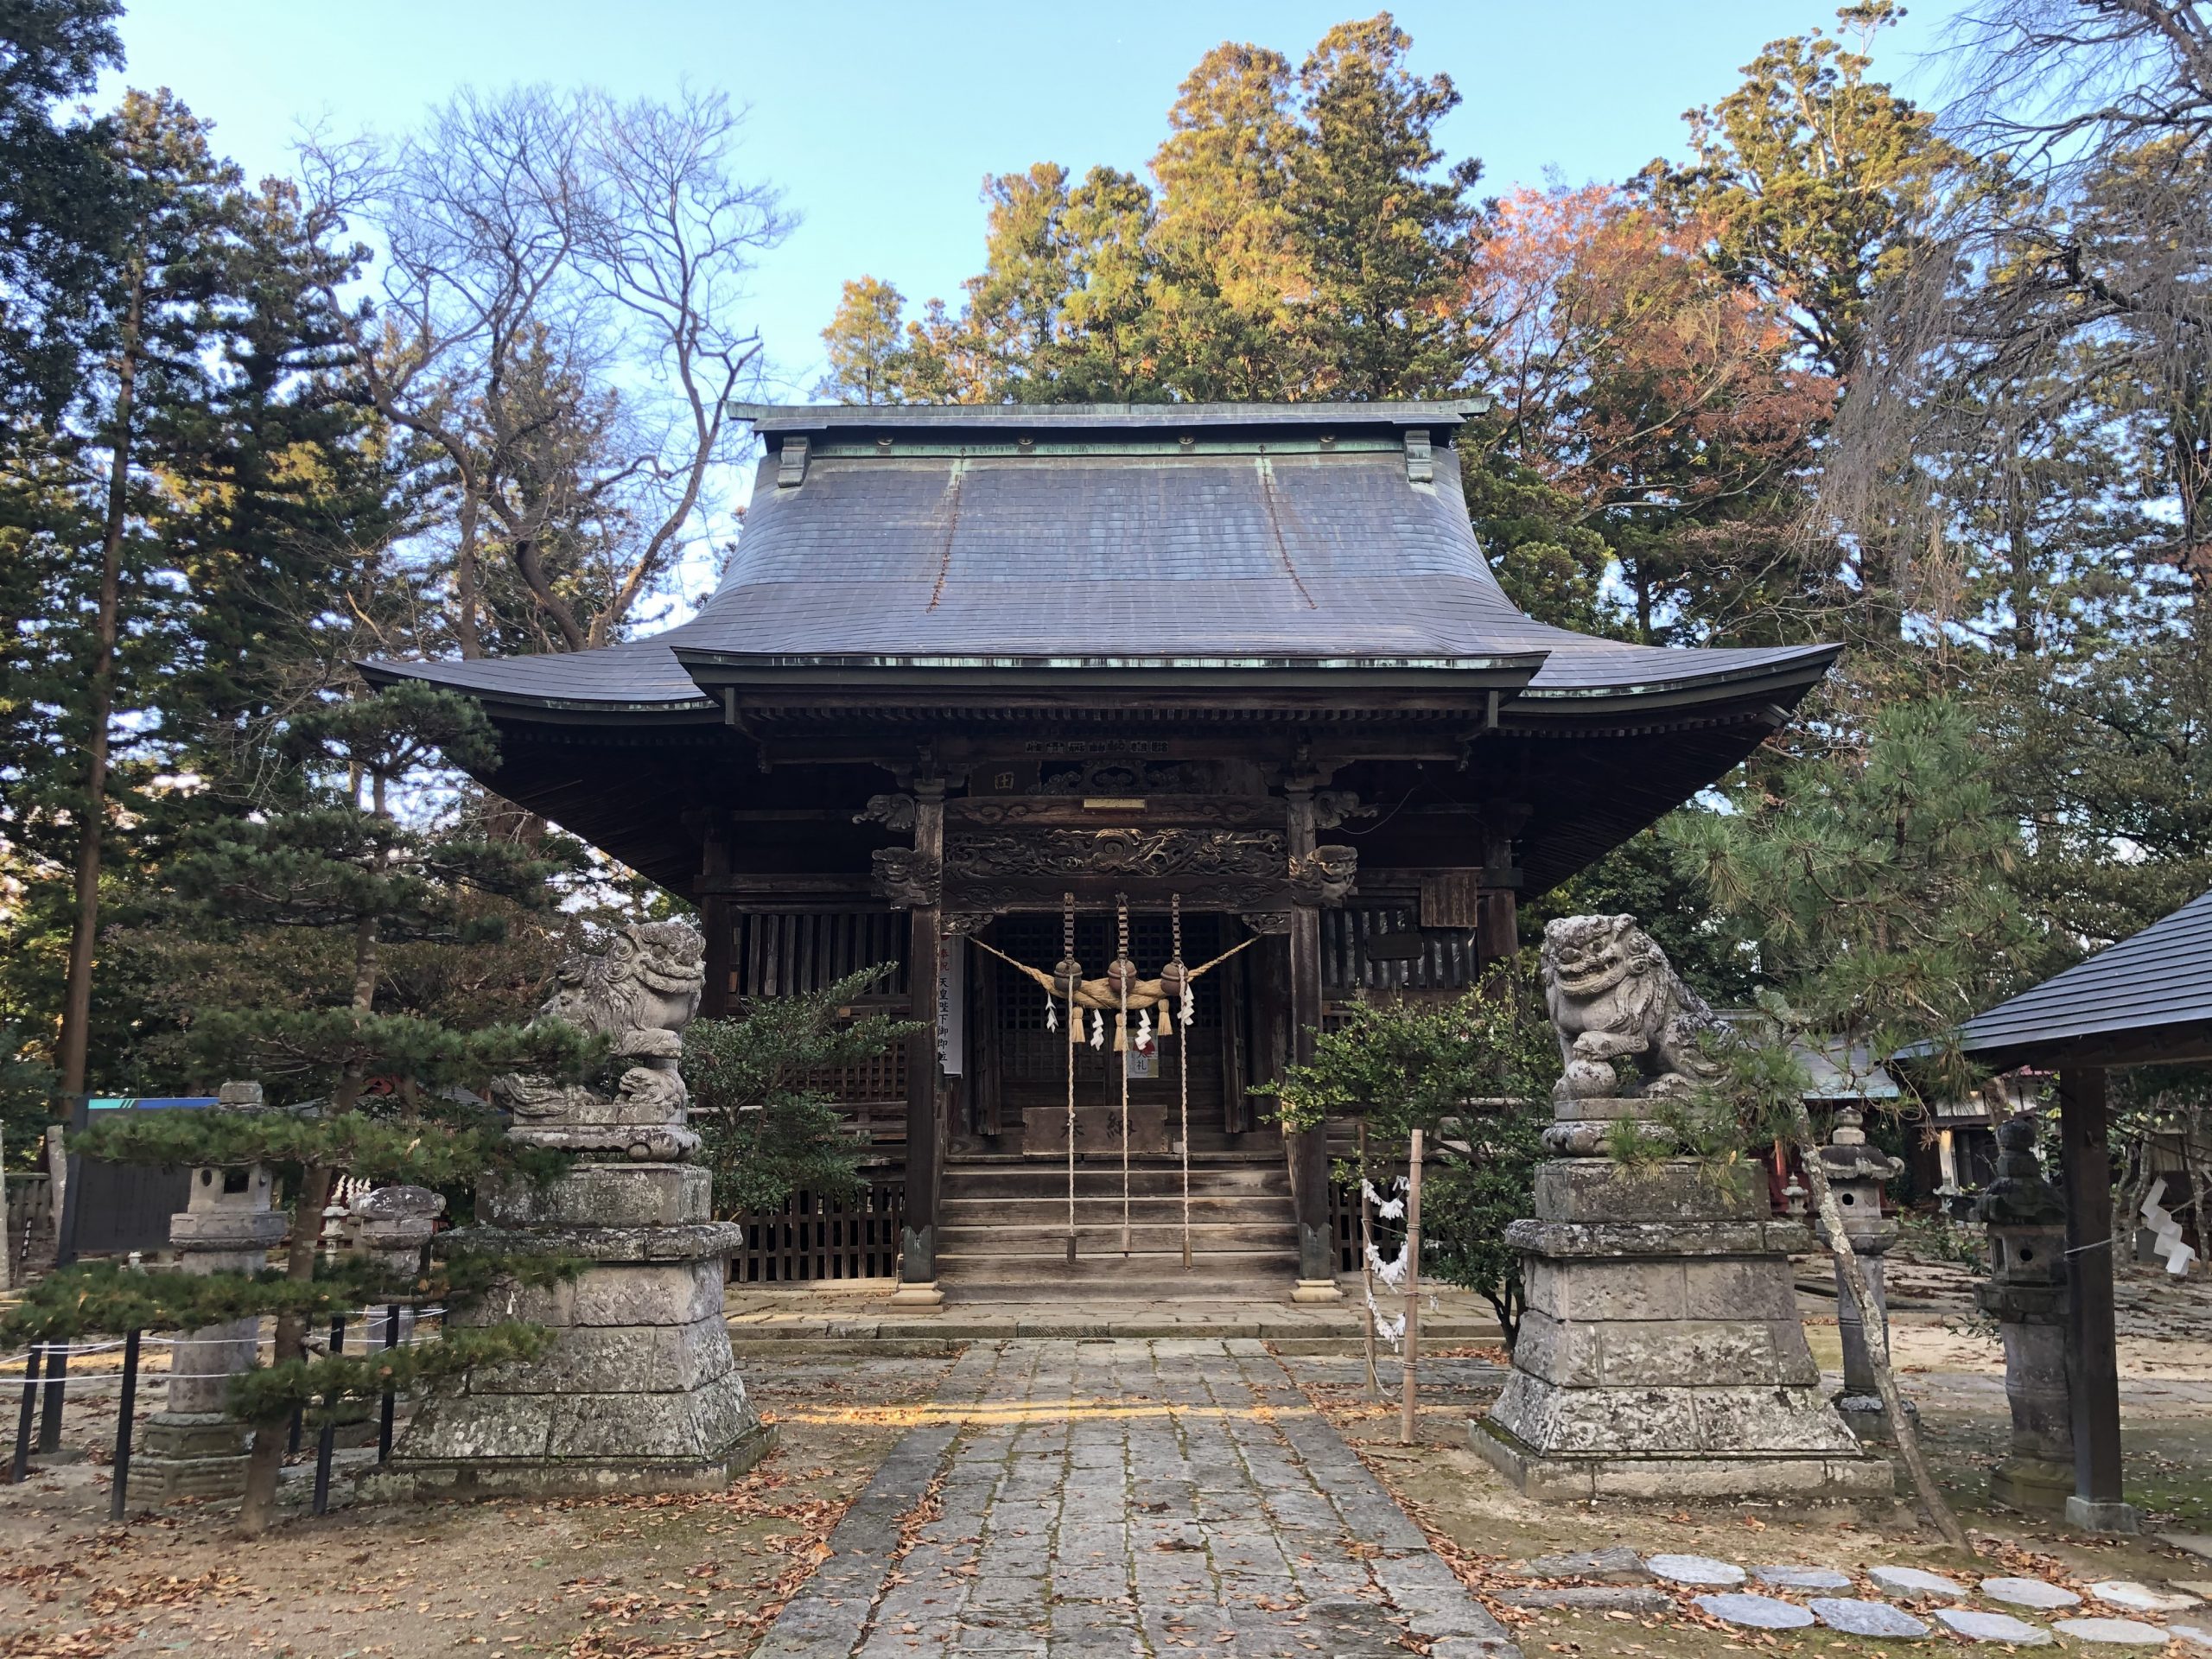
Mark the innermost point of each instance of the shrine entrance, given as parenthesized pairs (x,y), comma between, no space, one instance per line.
(1020,1058)
(1156,1216)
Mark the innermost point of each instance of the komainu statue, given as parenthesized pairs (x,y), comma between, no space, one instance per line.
(1612,997)
(640,993)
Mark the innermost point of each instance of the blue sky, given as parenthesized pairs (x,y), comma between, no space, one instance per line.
(879,120)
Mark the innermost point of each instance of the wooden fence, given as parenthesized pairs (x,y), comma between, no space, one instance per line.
(30,1237)
(815,1238)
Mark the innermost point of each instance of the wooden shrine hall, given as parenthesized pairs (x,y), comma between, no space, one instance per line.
(990,688)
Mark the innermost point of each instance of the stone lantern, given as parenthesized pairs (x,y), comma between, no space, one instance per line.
(194,1447)
(390,1224)
(2026,1295)
(1857,1172)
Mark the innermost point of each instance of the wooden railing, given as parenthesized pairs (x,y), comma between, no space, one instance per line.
(813,1239)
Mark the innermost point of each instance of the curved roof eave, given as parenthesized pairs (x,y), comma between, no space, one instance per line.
(596,685)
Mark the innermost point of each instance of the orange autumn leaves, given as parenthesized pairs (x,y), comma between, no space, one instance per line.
(1627,369)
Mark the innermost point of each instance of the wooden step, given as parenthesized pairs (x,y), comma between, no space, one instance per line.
(1094,1207)
(998,1181)
(1097,1236)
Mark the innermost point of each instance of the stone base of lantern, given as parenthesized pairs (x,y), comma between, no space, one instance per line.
(2034,1483)
(1661,1355)
(189,1454)
(1869,1419)
(639,1392)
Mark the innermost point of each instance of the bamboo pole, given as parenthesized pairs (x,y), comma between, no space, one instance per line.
(1407,1430)
(1876,1331)
(1366,1272)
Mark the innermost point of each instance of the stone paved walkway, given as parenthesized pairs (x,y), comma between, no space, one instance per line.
(1127,1497)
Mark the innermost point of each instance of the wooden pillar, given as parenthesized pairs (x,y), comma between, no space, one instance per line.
(2085,1167)
(917,1237)
(1308,1150)
(716,922)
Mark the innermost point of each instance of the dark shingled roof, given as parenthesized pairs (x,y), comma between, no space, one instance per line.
(2155,985)
(1268,548)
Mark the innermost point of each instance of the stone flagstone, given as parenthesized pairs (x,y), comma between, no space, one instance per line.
(1619,1563)
(2111,1632)
(1129,1496)
(1694,1569)
(2194,1634)
(1866,1617)
(1598,1598)
(1761,1612)
(2141,1598)
(1802,1578)
(1993,1627)
(2029,1593)
(1914,1581)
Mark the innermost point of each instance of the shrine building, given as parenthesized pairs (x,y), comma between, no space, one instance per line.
(988,687)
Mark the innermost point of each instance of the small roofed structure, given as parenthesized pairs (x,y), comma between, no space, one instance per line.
(2146,1000)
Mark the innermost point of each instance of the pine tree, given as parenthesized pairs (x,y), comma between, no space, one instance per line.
(1877,890)
(342,863)
(761,1099)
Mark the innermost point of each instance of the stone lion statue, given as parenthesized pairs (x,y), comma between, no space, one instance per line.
(1612,997)
(640,992)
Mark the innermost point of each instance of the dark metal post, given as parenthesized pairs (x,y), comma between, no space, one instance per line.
(390,1394)
(2085,1166)
(57,1388)
(21,1468)
(119,1495)
(328,1439)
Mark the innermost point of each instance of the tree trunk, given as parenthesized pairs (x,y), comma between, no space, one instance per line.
(77,995)
(466,585)
(1876,1333)
(266,1463)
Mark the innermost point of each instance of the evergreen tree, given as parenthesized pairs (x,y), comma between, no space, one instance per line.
(761,1094)
(58,206)
(1385,225)
(1876,890)
(1475,1077)
(342,864)
(1812,174)
(1233,273)
(1305,240)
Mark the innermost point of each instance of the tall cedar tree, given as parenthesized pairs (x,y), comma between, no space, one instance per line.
(342,861)
(173,194)
(1303,237)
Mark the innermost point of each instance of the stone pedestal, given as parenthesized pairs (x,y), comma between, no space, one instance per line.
(2026,1295)
(638,1391)
(192,1447)
(1661,1356)
(1857,1172)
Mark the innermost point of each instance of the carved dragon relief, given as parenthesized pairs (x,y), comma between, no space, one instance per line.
(1117,852)
(1215,869)
(905,879)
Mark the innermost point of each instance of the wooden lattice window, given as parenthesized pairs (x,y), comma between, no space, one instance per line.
(786,953)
